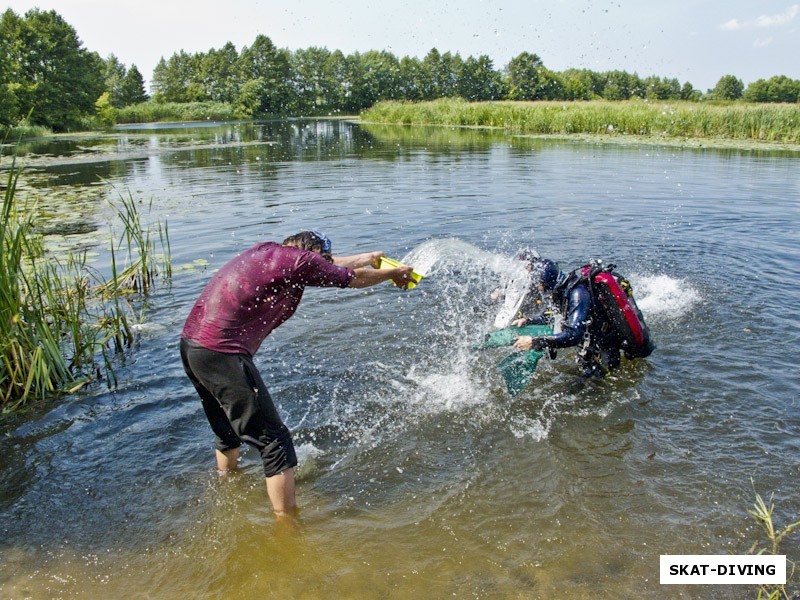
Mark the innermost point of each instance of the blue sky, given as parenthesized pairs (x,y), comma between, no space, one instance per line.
(693,40)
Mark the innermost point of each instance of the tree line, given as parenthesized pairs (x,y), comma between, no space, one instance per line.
(48,78)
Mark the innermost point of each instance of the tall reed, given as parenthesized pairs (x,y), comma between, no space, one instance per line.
(731,121)
(151,112)
(763,513)
(61,324)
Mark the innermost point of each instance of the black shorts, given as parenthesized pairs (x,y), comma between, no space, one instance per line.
(238,405)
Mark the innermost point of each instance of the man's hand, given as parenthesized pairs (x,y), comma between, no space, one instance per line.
(401,277)
(374,260)
(526,342)
(519,322)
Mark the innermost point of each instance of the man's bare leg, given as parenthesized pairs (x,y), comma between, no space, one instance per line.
(228,460)
(280,489)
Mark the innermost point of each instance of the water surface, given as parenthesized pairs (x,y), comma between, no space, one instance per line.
(420,476)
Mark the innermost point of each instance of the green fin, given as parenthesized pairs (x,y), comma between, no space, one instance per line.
(506,337)
(518,368)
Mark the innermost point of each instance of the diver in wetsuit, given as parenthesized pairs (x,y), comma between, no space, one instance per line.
(582,325)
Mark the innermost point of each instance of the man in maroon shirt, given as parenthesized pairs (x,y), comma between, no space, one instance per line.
(242,303)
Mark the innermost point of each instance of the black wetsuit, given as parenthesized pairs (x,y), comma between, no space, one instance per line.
(583,326)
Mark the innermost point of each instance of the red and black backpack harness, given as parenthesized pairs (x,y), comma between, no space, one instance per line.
(614,311)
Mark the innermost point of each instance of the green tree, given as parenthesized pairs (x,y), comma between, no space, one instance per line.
(438,75)
(662,88)
(53,75)
(775,89)
(550,85)
(428,75)
(176,79)
(335,71)
(478,80)
(114,74)
(310,80)
(525,77)
(269,69)
(133,87)
(445,74)
(581,84)
(617,86)
(689,93)
(9,109)
(370,77)
(217,75)
(105,109)
(729,87)
(410,79)
(249,102)
(159,86)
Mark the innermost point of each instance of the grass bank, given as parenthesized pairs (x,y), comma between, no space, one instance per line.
(23,131)
(779,123)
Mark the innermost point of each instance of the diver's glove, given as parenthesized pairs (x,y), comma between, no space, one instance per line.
(538,343)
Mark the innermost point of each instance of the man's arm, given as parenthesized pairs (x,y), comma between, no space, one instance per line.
(358,260)
(575,325)
(365,277)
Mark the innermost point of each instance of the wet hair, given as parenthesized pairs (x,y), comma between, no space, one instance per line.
(312,242)
(529,256)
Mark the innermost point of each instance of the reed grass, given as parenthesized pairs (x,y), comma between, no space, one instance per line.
(61,324)
(24,131)
(763,513)
(139,269)
(728,121)
(152,112)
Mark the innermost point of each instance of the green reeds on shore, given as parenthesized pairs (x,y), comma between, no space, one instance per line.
(726,121)
(152,112)
(61,325)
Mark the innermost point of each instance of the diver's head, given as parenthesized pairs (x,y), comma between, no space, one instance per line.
(530,257)
(545,273)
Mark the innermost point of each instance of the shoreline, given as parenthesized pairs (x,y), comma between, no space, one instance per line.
(610,138)
(621,139)
(675,124)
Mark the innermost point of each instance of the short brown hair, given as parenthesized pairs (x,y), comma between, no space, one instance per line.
(308,240)
(305,240)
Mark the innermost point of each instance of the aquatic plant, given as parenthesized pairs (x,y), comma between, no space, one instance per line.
(152,112)
(140,266)
(734,121)
(763,513)
(61,325)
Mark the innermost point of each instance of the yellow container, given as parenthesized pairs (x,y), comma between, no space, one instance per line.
(384,262)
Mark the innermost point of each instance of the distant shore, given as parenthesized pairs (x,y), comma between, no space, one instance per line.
(732,124)
(689,124)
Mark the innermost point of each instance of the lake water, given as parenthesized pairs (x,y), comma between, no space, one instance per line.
(420,476)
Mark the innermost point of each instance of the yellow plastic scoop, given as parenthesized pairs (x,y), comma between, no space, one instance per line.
(385,262)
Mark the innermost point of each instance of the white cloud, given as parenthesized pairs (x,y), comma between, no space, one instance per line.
(778,20)
(763,21)
(762,42)
(731,25)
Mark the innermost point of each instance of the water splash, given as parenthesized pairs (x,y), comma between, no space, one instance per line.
(663,298)
(511,279)
(434,373)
